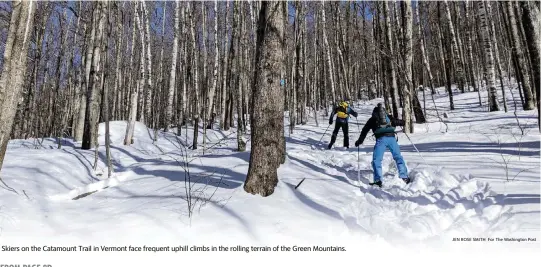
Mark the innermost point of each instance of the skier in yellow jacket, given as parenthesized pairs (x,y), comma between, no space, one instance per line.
(342,112)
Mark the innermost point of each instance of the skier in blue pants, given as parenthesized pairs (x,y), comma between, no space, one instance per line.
(383,127)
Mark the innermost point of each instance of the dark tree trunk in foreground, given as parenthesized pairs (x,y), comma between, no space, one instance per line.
(521,58)
(531,39)
(267,116)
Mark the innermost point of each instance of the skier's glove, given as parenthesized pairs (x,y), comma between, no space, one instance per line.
(357,143)
(330,121)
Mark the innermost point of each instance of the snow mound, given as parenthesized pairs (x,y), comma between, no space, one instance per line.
(435,206)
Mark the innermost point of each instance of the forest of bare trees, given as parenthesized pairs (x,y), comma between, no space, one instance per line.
(68,66)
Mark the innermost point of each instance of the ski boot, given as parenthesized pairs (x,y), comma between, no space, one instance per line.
(406,180)
(376,183)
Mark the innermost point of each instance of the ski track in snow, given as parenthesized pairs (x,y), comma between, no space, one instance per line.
(147,188)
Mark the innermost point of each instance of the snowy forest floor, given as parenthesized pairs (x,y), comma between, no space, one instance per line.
(481,178)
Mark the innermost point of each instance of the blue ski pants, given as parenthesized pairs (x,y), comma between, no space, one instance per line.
(382,144)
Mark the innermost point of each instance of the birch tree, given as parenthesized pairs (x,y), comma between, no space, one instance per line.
(328,53)
(454,45)
(90,135)
(489,57)
(212,90)
(173,71)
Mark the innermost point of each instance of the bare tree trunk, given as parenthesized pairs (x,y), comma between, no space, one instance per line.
(408,58)
(496,54)
(79,131)
(393,90)
(455,50)
(295,71)
(157,97)
(148,99)
(532,39)
(238,71)
(519,54)
(304,94)
(489,57)
(184,110)
(328,52)
(173,71)
(90,135)
(119,86)
(268,114)
(204,82)
(134,97)
(425,59)
(445,61)
(315,80)
(28,115)
(196,110)
(14,68)
(469,49)
(105,88)
(55,114)
(210,95)
(225,74)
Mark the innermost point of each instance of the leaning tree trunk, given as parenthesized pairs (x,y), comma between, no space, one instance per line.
(13,74)
(267,123)
(489,58)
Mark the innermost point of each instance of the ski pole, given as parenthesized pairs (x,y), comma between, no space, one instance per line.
(413,145)
(325,132)
(358,156)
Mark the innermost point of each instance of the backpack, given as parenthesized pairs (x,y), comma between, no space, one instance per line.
(342,110)
(382,120)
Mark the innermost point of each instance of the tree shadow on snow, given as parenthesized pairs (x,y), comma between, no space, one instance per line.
(318,169)
(473,147)
(309,202)
(517,199)
(172,202)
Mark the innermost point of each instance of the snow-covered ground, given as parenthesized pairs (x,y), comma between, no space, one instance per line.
(480,178)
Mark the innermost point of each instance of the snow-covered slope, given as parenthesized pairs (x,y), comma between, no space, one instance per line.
(480,178)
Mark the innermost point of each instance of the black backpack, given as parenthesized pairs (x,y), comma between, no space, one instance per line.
(382,120)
